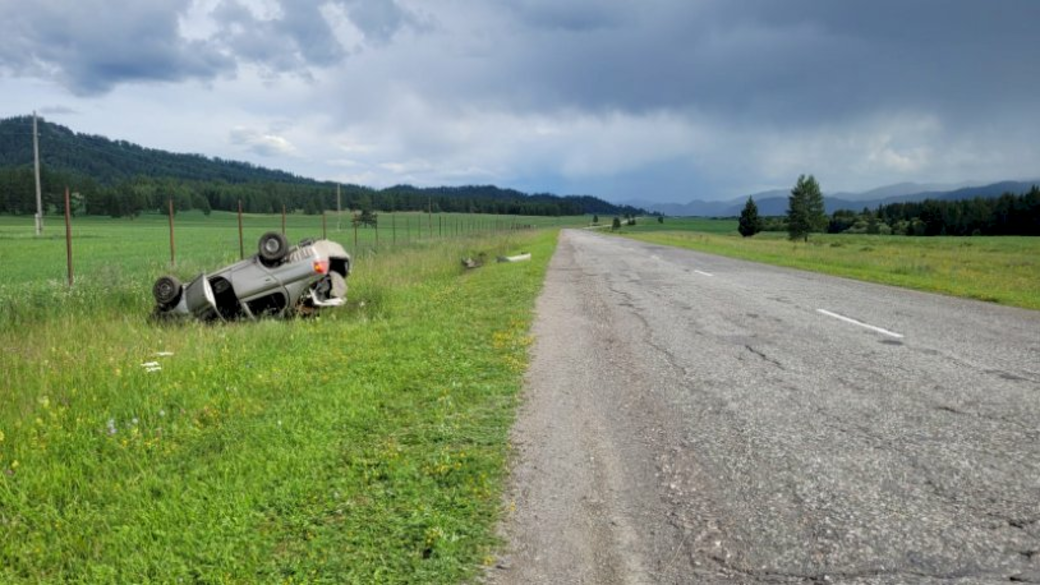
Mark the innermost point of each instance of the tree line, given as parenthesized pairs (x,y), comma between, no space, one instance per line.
(131,197)
(1006,215)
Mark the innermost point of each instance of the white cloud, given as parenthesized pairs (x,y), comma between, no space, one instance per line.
(261,143)
(350,37)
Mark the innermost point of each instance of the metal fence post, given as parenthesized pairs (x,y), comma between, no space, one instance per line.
(241,246)
(173,254)
(68,233)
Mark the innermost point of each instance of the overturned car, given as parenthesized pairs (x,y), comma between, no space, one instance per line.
(278,281)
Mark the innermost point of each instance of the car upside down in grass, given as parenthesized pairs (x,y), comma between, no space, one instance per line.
(279,280)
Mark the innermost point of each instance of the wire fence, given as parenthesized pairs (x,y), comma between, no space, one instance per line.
(94,244)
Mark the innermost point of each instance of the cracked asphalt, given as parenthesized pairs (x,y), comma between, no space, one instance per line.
(690,418)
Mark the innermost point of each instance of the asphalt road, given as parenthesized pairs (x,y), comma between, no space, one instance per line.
(695,419)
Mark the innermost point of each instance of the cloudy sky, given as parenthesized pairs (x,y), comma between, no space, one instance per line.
(655,100)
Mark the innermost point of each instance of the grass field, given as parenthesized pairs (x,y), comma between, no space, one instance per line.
(366,445)
(684,224)
(143,243)
(999,269)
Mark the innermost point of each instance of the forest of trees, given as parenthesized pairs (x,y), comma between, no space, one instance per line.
(119,179)
(133,196)
(1008,215)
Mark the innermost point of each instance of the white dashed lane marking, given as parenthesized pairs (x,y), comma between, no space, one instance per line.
(860,323)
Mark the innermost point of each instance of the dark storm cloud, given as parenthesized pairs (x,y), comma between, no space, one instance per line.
(830,59)
(785,61)
(379,20)
(299,38)
(92,45)
(573,16)
(725,94)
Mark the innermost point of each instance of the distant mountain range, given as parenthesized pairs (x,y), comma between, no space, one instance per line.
(775,202)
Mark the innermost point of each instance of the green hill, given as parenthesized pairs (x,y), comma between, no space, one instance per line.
(116,177)
(110,161)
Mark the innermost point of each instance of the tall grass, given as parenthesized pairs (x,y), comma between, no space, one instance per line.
(366,445)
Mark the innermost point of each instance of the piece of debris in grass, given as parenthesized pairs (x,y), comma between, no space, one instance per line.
(163,353)
(522,256)
(471,263)
(151,366)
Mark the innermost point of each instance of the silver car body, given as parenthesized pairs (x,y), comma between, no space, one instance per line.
(312,275)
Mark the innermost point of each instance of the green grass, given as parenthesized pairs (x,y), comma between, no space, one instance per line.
(366,445)
(999,269)
(685,224)
(143,243)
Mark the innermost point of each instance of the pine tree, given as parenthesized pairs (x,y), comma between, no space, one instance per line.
(805,212)
(750,223)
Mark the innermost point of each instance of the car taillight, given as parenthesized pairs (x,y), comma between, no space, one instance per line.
(321,266)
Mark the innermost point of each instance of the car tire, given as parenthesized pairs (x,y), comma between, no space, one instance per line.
(273,247)
(167,290)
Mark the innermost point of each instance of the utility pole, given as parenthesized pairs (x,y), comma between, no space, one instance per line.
(36,159)
(68,234)
(173,249)
(241,247)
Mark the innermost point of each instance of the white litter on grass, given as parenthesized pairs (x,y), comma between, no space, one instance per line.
(155,366)
(522,256)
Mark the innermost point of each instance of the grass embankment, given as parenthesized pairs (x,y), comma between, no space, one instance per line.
(999,269)
(366,445)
